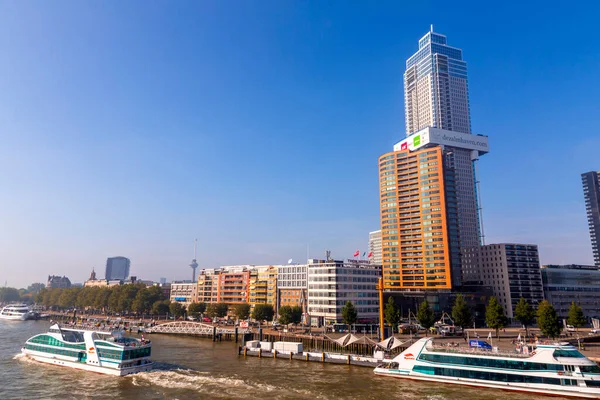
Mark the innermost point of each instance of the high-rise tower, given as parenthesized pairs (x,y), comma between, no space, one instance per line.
(194,264)
(591,192)
(423,235)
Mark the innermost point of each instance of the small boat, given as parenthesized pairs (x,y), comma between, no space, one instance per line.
(557,369)
(17,312)
(109,353)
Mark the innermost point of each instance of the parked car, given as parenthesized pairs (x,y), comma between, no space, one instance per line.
(570,328)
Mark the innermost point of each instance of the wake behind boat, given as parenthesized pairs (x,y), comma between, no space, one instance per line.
(104,352)
(17,312)
(554,369)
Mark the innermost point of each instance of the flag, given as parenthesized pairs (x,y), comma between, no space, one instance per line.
(370,254)
(364,253)
(357,253)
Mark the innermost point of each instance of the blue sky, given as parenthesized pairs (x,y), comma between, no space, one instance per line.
(133,128)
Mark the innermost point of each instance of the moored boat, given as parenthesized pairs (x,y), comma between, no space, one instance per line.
(554,369)
(104,352)
(16,312)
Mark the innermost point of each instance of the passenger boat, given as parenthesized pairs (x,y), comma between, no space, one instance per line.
(16,312)
(553,369)
(104,352)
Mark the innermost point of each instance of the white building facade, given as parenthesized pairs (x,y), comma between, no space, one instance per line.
(332,283)
(375,247)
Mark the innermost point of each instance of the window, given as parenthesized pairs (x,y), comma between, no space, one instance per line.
(485,375)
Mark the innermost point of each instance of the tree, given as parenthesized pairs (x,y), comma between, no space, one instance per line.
(349,313)
(8,294)
(285,315)
(296,315)
(425,315)
(461,313)
(548,320)
(195,309)
(525,314)
(392,316)
(241,311)
(142,303)
(217,310)
(494,315)
(161,307)
(176,309)
(576,317)
(263,312)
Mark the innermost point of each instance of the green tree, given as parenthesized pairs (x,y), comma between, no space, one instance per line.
(68,297)
(155,294)
(217,310)
(525,314)
(391,313)
(8,294)
(296,315)
(160,307)
(349,313)
(548,320)
(263,312)
(425,315)
(285,315)
(576,317)
(176,309)
(461,313)
(494,315)
(142,302)
(241,311)
(195,309)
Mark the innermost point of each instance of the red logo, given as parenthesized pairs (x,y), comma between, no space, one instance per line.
(409,356)
(404,146)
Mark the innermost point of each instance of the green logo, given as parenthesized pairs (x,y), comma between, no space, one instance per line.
(417,141)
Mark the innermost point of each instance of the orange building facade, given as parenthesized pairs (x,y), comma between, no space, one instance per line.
(415,243)
(233,287)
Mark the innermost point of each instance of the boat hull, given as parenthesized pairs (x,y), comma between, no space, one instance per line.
(512,386)
(50,359)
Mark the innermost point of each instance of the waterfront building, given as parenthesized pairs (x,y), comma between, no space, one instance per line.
(591,193)
(565,284)
(292,285)
(233,285)
(375,247)
(117,268)
(165,289)
(207,286)
(263,285)
(184,292)
(332,283)
(429,206)
(511,270)
(58,282)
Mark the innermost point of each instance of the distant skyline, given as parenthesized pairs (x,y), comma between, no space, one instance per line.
(132,128)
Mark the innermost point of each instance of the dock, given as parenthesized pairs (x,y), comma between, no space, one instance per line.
(321,357)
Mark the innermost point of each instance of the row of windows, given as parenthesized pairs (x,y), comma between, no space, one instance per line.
(49,340)
(492,363)
(62,352)
(485,375)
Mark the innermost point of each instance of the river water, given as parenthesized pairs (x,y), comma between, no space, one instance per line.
(188,367)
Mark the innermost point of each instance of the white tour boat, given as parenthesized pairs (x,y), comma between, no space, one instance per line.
(554,369)
(16,312)
(104,352)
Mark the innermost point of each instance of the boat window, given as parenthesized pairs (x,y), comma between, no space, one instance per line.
(490,362)
(485,375)
(593,369)
(592,383)
(567,353)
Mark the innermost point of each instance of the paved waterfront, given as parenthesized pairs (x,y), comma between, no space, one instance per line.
(189,367)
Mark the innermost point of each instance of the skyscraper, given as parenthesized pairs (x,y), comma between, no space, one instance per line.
(117,268)
(375,247)
(591,192)
(437,117)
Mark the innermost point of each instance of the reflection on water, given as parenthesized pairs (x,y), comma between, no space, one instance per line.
(188,367)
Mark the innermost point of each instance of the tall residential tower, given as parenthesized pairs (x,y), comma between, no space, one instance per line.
(429,204)
(591,192)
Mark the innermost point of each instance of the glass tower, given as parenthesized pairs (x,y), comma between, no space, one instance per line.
(591,192)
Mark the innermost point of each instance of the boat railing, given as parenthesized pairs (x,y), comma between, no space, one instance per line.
(470,350)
